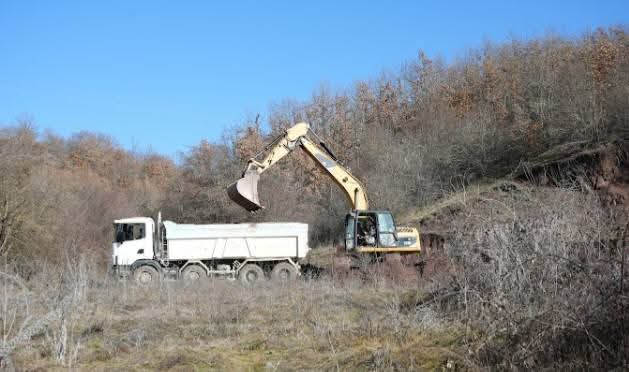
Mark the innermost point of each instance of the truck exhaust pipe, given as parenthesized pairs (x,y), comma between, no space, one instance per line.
(244,192)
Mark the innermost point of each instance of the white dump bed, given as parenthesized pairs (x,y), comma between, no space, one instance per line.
(255,240)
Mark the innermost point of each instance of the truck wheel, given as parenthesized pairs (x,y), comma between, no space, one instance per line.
(284,272)
(193,273)
(250,274)
(146,275)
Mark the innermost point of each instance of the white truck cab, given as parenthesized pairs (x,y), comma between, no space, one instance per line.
(133,240)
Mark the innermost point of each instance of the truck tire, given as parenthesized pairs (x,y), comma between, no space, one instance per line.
(193,273)
(284,272)
(146,275)
(250,274)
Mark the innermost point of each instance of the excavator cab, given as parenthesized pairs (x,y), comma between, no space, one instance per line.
(370,231)
(376,232)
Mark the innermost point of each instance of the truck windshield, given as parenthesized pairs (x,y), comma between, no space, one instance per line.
(128,231)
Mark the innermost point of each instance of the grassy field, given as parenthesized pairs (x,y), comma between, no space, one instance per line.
(368,323)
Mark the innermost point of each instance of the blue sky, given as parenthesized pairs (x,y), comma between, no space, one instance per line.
(162,75)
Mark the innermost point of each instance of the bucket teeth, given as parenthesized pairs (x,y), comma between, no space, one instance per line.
(244,192)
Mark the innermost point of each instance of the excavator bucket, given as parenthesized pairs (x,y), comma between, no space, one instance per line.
(244,192)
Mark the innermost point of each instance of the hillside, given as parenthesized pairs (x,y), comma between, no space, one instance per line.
(601,170)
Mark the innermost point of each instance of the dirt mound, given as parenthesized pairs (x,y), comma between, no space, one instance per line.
(569,170)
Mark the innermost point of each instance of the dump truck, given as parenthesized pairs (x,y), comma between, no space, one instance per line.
(368,233)
(150,251)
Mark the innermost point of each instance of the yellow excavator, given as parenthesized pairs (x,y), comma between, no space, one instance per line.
(366,231)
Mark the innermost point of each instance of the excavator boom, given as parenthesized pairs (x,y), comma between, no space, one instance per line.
(244,192)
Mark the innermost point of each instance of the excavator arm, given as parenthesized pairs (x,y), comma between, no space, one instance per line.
(245,191)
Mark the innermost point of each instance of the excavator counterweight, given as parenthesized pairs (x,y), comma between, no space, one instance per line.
(244,192)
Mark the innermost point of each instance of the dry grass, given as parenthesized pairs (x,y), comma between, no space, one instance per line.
(310,324)
(457,199)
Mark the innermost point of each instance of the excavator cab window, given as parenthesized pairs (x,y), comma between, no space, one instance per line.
(362,231)
(366,230)
(386,230)
(349,232)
